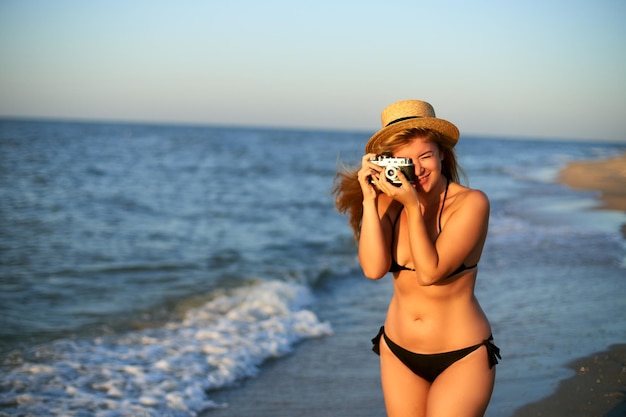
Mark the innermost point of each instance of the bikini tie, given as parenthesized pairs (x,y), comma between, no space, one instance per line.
(376,341)
(492,352)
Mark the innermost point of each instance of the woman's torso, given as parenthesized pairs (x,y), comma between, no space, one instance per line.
(441,317)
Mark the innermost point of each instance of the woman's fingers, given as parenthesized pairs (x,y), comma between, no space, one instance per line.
(368,169)
(366,158)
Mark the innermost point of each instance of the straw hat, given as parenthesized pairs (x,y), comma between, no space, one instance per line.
(409,114)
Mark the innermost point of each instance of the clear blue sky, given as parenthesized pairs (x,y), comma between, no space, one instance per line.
(532,68)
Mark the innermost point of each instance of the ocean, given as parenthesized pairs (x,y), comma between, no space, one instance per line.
(145,267)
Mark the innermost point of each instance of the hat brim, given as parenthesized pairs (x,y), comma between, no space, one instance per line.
(442,126)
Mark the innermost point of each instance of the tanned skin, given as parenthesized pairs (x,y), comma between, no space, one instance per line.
(430,311)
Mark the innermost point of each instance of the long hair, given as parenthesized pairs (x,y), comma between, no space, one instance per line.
(346,187)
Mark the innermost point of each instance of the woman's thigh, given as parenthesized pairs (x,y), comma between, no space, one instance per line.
(405,393)
(464,388)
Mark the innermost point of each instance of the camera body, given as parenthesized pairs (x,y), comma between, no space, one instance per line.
(391,166)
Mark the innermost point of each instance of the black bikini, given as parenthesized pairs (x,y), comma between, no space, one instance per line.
(430,366)
(396,267)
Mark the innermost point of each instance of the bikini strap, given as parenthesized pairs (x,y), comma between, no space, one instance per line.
(443,203)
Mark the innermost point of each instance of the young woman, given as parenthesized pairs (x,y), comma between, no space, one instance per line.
(436,352)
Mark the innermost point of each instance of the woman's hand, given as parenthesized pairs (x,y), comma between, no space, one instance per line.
(406,194)
(369,172)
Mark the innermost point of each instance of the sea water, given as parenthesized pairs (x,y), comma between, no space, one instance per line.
(145,266)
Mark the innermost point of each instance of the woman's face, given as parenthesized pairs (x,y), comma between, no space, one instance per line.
(427,160)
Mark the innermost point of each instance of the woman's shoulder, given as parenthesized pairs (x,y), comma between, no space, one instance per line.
(465,196)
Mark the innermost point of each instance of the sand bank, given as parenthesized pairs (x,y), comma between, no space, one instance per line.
(606,176)
(597,390)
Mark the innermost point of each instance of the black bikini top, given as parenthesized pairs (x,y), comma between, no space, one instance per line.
(396,267)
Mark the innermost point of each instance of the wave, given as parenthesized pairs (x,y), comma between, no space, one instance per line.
(169,370)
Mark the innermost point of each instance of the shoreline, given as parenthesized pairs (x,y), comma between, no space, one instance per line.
(597,389)
(328,376)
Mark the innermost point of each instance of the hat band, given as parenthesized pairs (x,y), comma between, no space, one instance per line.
(403,119)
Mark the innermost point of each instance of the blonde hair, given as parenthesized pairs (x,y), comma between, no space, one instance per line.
(346,187)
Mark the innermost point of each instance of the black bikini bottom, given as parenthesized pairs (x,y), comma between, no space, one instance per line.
(431,366)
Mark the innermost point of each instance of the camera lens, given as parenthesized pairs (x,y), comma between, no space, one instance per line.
(391,173)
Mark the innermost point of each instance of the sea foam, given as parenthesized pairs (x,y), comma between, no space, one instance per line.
(168,370)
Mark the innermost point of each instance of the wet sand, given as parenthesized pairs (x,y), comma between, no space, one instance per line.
(598,389)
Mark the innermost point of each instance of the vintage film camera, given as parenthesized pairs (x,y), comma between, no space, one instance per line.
(392,166)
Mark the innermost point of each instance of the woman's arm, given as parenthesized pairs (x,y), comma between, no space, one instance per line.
(374,243)
(375,236)
(465,229)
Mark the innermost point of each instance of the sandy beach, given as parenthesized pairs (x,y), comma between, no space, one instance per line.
(606,176)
